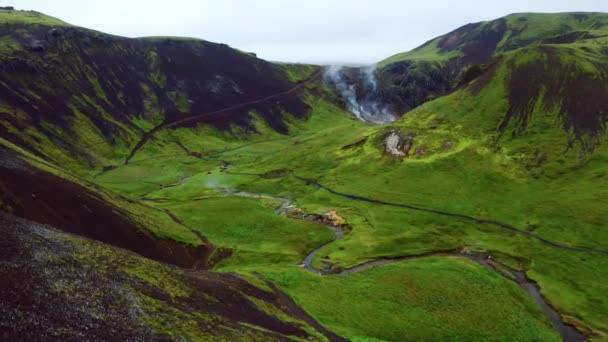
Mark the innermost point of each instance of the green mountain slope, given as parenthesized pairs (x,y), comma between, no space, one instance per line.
(436,227)
(476,43)
(439,65)
(84,99)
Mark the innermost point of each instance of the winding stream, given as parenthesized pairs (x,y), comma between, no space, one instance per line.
(567,332)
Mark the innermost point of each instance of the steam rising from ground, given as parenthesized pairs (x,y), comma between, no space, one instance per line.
(359,89)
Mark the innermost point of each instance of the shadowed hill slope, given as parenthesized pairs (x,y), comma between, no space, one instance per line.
(83,98)
(59,286)
(53,197)
(440,65)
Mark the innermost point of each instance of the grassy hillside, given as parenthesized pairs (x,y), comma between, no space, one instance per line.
(58,286)
(442,64)
(13,17)
(84,99)
(498,182)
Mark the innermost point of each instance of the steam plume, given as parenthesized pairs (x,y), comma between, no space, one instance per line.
(360,92)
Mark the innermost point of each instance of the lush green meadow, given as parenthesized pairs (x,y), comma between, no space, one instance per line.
(434,298)
(508,159)
(348,156)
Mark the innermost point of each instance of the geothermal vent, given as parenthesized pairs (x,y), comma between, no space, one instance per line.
(359,89)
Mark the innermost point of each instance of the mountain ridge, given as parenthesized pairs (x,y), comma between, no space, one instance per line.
(439,64)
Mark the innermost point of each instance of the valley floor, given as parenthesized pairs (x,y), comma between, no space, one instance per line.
(236,195)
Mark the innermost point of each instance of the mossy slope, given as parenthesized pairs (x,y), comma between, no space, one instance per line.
(440,65)
(59,286)
(82,98)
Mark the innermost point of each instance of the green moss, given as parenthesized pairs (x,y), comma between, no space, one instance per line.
(155,73)
(92,77)
(153,113)
(183,104)
(29,17)
(8,45)
(298,72)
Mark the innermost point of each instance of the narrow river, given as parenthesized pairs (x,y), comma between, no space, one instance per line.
(567,332)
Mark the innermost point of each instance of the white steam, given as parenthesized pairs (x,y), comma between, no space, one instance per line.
(360,94)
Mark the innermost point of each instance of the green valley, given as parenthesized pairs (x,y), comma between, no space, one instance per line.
(222,197)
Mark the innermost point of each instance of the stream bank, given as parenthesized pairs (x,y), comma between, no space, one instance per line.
(287,208)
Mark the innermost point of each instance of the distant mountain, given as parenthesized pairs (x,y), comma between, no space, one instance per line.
(437,67)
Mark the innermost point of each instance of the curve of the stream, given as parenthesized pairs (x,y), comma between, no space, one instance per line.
(504,226)
(567,332)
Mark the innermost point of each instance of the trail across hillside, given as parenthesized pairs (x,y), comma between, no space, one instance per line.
(148,135)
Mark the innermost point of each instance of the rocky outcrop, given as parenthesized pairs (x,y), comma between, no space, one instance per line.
(399,144)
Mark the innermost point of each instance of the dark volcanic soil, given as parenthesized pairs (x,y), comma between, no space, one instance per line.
(578,96)
(112,80)
(56,286)
(46,198)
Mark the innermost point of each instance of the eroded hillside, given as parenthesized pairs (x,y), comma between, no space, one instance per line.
(83,98)
(442,64)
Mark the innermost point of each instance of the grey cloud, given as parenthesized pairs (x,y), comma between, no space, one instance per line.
(320,31)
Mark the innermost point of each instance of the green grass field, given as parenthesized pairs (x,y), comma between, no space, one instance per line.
(344,155)
(427,299)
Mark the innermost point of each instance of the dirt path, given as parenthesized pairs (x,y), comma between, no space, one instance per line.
(148,135)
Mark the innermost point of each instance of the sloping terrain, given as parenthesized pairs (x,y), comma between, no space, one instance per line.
(480,215)
(60,286)
(51,197)
(84,99)
(437,67)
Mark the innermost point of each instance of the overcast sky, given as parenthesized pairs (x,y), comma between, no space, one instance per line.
(319,31)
